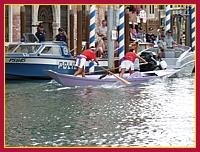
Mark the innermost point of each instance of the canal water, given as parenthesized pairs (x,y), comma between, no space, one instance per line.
(157,113)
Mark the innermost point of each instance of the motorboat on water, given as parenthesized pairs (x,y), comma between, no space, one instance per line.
(30,59)
(178,57)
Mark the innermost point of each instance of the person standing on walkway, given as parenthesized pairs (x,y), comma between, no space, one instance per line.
(161,46)
(102,30)
(81,60)
(161,32)
(61,36)
(150,37)
(40,34)
(169,40)
(140,33)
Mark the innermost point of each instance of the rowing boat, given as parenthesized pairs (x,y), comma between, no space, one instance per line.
(93,80)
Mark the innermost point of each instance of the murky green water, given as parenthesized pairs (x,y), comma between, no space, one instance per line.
(157,113)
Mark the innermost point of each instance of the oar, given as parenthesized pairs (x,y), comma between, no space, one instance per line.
(101,70)
(119,78)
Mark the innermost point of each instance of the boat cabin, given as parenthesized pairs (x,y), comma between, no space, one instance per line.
(33,48)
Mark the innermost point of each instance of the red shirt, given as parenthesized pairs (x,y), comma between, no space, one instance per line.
(131,56)
(90,55)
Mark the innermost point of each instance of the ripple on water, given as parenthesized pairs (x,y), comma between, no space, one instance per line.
(157,113)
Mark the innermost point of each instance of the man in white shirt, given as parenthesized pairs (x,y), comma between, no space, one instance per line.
(102,30)
(162,46)
(169,40)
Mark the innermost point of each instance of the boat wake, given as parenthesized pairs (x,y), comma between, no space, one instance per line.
(59,87)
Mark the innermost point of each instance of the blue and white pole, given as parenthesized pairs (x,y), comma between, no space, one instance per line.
(121,33)
(92,33)
(192,27)
(167,21)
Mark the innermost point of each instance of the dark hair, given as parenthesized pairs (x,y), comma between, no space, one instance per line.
(60,29)
(41,26)
(140,28)
(131,50)
(105,38)
(150,29)
(169,31)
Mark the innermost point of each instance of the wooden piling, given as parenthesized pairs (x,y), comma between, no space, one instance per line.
(127,31)
(147,26)
(187,31)
(72,31)
(22,20)
(141,23)
(106,16)
(79,29)
(178,31)
(87,29)
(171,21)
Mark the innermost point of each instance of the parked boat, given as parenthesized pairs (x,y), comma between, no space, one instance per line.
(93,80)
(179,57)
(29,60)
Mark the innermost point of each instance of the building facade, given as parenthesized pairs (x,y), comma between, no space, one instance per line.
(21,19)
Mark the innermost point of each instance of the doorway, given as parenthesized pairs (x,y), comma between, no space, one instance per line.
(45,16)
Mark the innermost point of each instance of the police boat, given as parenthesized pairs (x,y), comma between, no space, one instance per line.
(29,59)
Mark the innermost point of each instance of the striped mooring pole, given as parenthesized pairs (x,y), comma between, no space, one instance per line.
(167,21)
(92,33)
(121,33)
(192,27)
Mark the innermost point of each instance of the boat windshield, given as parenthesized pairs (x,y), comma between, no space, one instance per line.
(51,50)
(10,48)
(26,49)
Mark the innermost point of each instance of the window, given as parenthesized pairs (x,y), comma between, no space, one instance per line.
(143,6)
(151,9)
(151,14)
(10,48)
(51,50)
(26,49)
(161,7)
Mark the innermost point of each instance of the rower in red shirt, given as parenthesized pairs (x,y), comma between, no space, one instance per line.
(81,60)
(128,63)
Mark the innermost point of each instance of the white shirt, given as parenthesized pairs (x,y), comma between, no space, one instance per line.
(169,41)
(102,30)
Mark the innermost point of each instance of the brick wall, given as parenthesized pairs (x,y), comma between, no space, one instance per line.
(100,15)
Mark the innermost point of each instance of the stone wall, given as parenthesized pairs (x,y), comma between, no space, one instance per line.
(16,24)
(100,15)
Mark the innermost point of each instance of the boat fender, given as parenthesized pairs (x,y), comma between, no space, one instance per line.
(163,64)
(158,63)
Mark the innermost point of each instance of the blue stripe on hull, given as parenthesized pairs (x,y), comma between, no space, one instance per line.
(34,70)
(17,70)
